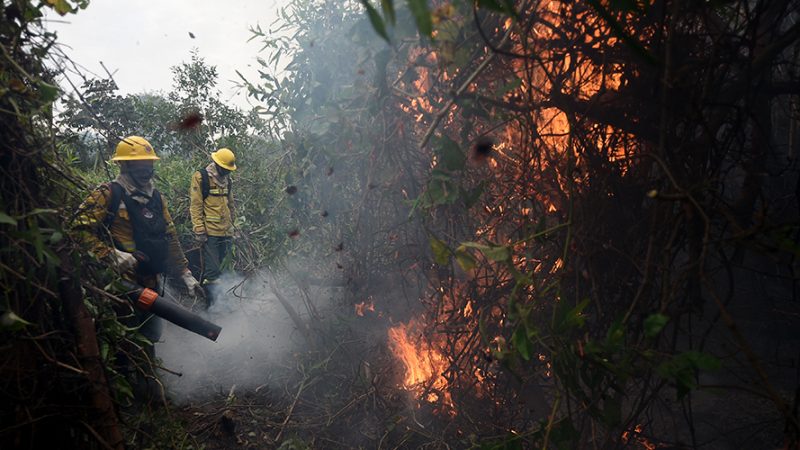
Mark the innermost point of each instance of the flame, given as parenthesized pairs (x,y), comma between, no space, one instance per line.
(366,305)
(642,442)
(551,159)
(424,364)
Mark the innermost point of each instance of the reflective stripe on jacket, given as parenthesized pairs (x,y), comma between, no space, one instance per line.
(214,214)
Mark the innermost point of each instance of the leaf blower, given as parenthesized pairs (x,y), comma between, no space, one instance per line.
(148,300)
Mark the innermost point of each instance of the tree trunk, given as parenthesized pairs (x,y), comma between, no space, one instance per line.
(106,423)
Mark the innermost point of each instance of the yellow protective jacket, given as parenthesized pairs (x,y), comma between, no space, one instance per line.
(90,228)
(213,215)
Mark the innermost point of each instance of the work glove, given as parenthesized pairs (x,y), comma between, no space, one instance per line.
(124,261)
(201,238)
(193,286)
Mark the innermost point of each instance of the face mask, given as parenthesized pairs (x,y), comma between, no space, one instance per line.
(141,175)
(222,171)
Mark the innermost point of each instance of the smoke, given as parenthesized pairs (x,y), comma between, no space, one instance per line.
(257,334)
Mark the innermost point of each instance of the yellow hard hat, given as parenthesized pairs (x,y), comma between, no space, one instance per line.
(134,148)
(225,158)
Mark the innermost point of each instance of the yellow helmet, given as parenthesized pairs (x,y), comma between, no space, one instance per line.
(225,158)
(134,148)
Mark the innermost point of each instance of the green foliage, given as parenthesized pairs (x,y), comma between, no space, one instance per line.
(654,324)
(191,121)
(92,122)
(681,369)
(441,254)
(422,16)
(376,20)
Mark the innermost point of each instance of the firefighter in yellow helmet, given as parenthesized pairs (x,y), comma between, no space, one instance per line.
(126,223)
(212,210)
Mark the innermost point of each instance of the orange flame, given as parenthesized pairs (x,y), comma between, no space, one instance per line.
(364,306)
(638,438)
(516,155)
(424,364)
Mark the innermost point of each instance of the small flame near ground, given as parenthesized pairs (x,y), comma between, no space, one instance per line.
(636,437)
(424,365)
(363,307)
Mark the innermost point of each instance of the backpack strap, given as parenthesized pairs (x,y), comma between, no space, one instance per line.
(157,205)
(113,204)
(205,185)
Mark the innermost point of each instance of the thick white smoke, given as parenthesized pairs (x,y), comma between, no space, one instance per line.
(257,334)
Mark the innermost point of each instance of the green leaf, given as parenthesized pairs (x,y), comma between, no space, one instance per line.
(5,218)
(503,6)
(508,87)
(37,211)
(498,253)
(615,335)
(521,343)
(521,278)
(388,10)
(573,318)
(449,154)
(436,193)
(422,15)
(681,369)
(441,254)
(702,361)
(492,5)
(375,20)
(438,174)
(47,92)
(472,196)
(56,237)
(654,324)
(61,6)
(464,259)
(492,252)
(104,350)
(9,321)
(123,388)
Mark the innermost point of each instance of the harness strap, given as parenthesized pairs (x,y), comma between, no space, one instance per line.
(117,194)
(113,205)
(206,189)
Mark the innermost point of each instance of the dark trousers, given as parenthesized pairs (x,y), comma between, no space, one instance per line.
(214,252)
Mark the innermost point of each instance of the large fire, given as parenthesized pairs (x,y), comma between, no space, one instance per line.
(551,91)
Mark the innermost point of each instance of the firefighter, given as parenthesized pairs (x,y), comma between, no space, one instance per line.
(127,224)
(212,211)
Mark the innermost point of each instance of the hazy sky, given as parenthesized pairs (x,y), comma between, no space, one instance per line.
(139,40)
